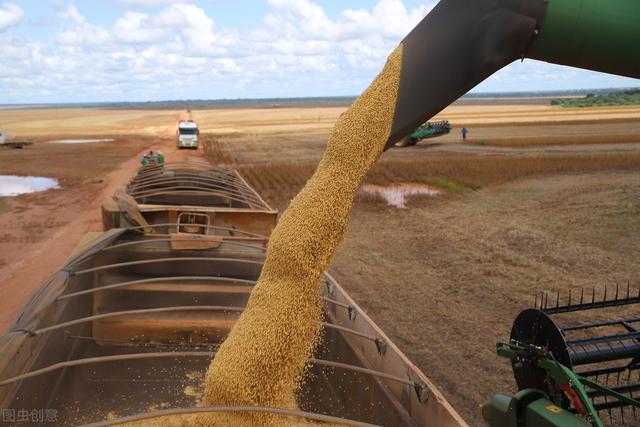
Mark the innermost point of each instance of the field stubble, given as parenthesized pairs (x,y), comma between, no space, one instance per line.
(278,178)
(446,277)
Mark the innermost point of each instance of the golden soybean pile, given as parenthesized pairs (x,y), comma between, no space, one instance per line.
(262,361)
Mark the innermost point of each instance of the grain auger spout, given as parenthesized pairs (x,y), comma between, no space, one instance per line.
(460,43)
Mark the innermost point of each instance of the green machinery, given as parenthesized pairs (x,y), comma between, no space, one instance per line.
(569,406)
(460,43)
(563,382)
(427,130)
(568,373)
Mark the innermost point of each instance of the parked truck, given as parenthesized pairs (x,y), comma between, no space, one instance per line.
(188,134)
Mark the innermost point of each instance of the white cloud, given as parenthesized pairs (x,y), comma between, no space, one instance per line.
(77,31)
(136,27)
(177,50)
(186,26)
(10,15)
(306,20)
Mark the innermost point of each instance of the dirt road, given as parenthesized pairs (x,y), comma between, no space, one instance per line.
(39,231)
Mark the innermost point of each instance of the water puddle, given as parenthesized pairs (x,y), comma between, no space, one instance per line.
(80,141)
(11,185)
(397,194)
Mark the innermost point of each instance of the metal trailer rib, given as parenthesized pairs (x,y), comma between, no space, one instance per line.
(172,173)
(175,163)
(188,186)
(380,343)
(230,181)
(86,319)
(229,188)
(145,170)
(140,242)
(191,191)
(348,330)
(135,188)
(103,359)
(208,227)
(170,354)
(231,309)
(215,409)
(139,191)
(156,279)
(161,260)
(211,175)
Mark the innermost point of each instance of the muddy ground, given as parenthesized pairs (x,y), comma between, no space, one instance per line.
(556,206)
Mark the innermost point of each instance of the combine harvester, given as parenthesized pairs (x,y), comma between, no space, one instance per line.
(134,317)
(426,131)
(570,372)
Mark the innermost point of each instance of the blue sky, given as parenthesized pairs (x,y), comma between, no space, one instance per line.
(140,50)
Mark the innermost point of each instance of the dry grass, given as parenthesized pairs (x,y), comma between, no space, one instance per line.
(559,140)
(476,171)
(279,182)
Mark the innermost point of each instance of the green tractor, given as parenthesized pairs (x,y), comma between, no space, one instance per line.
(427,130)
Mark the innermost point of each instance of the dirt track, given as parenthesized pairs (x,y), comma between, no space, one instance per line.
(39,231)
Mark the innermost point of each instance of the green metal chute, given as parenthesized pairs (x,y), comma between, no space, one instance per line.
(592,34)
(460,43)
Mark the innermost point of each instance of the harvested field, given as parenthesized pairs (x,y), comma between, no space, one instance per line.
(62,123)
(528,207)
(447,166)
(447,277)
(267,120)
(513,221)
(314,120)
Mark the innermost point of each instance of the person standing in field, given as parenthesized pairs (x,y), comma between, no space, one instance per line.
(465,131)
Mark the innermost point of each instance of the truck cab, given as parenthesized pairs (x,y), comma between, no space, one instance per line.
(188,134)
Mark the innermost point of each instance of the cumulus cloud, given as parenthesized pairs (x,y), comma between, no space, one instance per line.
(10,15)
(167,49)
(307,20)
(296,50)
(136,27)
(77,31)
(186,25)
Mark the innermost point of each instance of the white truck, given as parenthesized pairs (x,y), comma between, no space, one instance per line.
(188,134)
